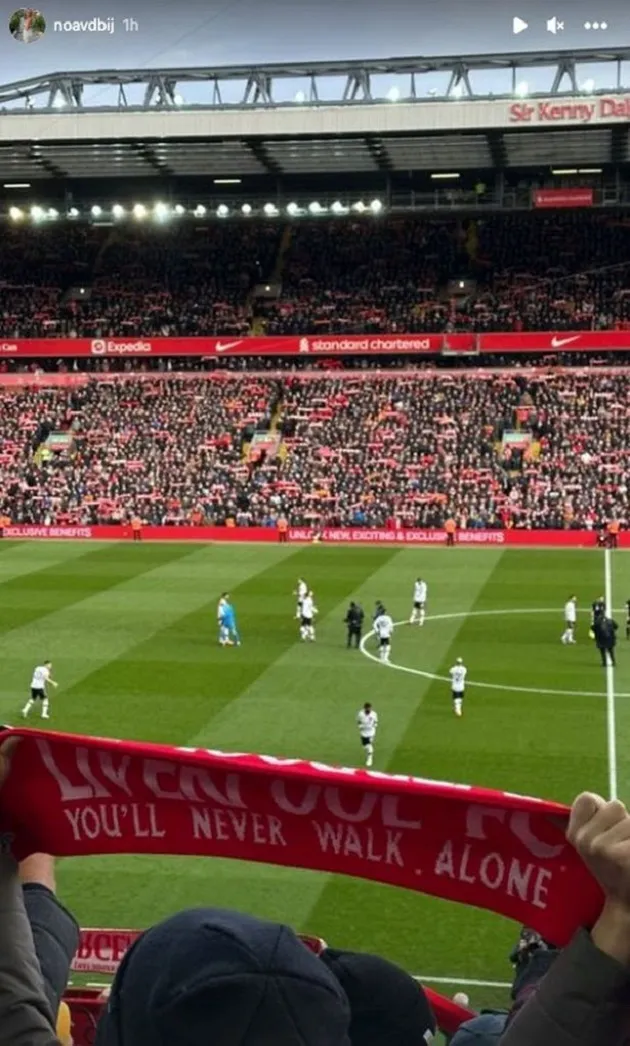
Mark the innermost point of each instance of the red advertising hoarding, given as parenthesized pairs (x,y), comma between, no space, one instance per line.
(314,347)
(142,348)
(101,951)
(562,197)
(305,535)
(555,341)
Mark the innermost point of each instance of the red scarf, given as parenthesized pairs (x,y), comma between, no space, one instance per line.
(70,796)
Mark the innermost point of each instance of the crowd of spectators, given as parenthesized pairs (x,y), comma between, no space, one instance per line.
(298,363)
(140,282)
(526,272)
(396,274)
(260,364)
(547,449)
(553,273)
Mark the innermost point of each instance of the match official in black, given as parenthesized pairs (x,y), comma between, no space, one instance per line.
(598,613)
(605,630)
(354,623)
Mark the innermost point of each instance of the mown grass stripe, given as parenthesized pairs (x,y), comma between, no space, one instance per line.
(22,560)
(84,636)
(180,666)
(179,683)
(79,573)
(303,703)
(9,546)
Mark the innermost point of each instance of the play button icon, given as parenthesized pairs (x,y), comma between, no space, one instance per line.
(519,26)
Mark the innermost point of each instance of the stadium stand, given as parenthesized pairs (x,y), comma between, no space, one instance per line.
(531,273)
(503,449)
(94,282)
(525,272)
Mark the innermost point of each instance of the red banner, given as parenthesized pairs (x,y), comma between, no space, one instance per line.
(73,796)
(302,535)
(562,197)
(448,1014)
(320,346)
(141,348)
(101,951)
(556,341)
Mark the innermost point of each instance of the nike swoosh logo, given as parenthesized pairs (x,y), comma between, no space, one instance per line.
(220,347)
(557,343)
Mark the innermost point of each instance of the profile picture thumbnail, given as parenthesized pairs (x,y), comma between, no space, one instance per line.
(27,24)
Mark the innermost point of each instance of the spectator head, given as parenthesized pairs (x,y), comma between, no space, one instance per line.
(212,976)
(485,1030)
(389,1008)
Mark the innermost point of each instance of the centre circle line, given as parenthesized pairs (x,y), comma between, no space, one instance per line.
(433,677)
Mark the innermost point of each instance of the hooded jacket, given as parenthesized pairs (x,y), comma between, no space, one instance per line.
(583,1000)
(26,1017)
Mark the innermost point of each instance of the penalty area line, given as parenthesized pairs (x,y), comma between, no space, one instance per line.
(460,982)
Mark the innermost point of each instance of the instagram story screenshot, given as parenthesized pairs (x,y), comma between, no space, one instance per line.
(314,522)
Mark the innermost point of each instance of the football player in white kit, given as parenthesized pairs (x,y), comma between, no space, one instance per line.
(570,620)
(301,593)
(384,629)
(309,610)
(458,675)
(367,721)
(39,682)
(419,602)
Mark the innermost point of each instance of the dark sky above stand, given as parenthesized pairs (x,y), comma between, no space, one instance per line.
(222,32)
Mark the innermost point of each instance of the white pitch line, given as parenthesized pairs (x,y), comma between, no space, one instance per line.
(470,683)
(611,725)
(462,983)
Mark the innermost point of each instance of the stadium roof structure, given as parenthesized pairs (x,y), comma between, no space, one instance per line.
(252,123)
(349,81)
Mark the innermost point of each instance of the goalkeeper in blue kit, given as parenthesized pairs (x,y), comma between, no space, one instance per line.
(228,632)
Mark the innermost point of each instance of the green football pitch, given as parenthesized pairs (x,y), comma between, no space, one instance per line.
(131,631)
